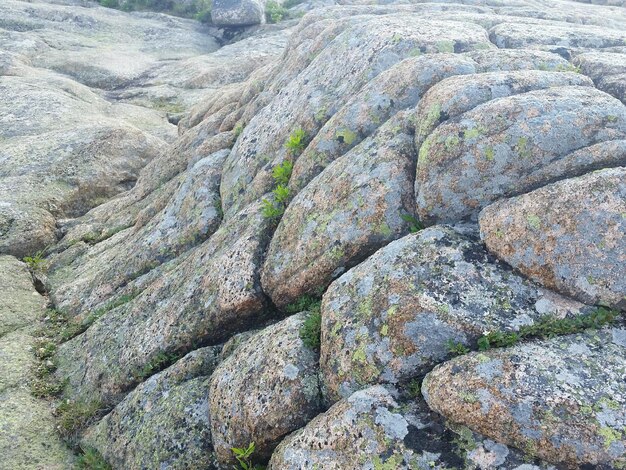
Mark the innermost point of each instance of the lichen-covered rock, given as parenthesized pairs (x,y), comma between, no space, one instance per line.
(28,435)
(163,423)
(205,296)
(353,208)
(373,44)
(456,95)
(391,318)
(562,399)
(374,429)
(365,430)
(569,236)
(510,35)
(237,12)
(266,389)
(490,151)
(191,215)
(608,70)
(398,88)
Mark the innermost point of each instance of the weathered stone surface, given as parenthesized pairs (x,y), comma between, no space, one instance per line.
(353,208)
(374,429)
(90,91)
(204,295)
(608,70)
(266,389)
(489,152)
(389,319)
(365,430)
(569,236)
(28,437)
(163,423)
(191,215)
(237,12)
(456,95)
(373,44)
(398,88)
(561,399)
(520,35)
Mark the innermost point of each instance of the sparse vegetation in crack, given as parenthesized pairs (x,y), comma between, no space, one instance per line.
(75,416)
(245,458)
(414,224)
(160,361)
(91,459)
(36,263)
(274,209)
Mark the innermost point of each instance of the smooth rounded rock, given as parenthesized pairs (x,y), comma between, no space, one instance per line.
(569,236)
(267,388)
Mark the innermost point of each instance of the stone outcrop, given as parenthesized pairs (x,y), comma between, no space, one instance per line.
(393,317)
(560,399)
(457,175)
(266,389)
(28,435)
(569,236)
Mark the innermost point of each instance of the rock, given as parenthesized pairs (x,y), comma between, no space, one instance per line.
(237,12)
(28,435)
(561,399)
(374,44)
(391,318)
(266,389)
(398,88)
(493,150)
(99,86)
(191,215)
(569,236)
(353,208)
(203,296)
(373,428)
(608,70)
(163,423)
(365,430)
(522,35)
(454,96)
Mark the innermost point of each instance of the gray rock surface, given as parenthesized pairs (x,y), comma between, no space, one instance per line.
(28,436)
(390,319)
(237,12)
(353,208)
(163,422)
(490,151)
(138,149)
(266,389)
(569,236)
(560,399)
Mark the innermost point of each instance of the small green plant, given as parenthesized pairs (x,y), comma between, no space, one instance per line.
(274,210)
(281,173)
(36,263)
(244,457)
(306,302)
(271,211)
(414,388)
(75,416)
(311,330)
(274,12)
(456,348)
(549,327)
(296,142)
(91,459)
(238,129)
(414,224)
(160,361)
